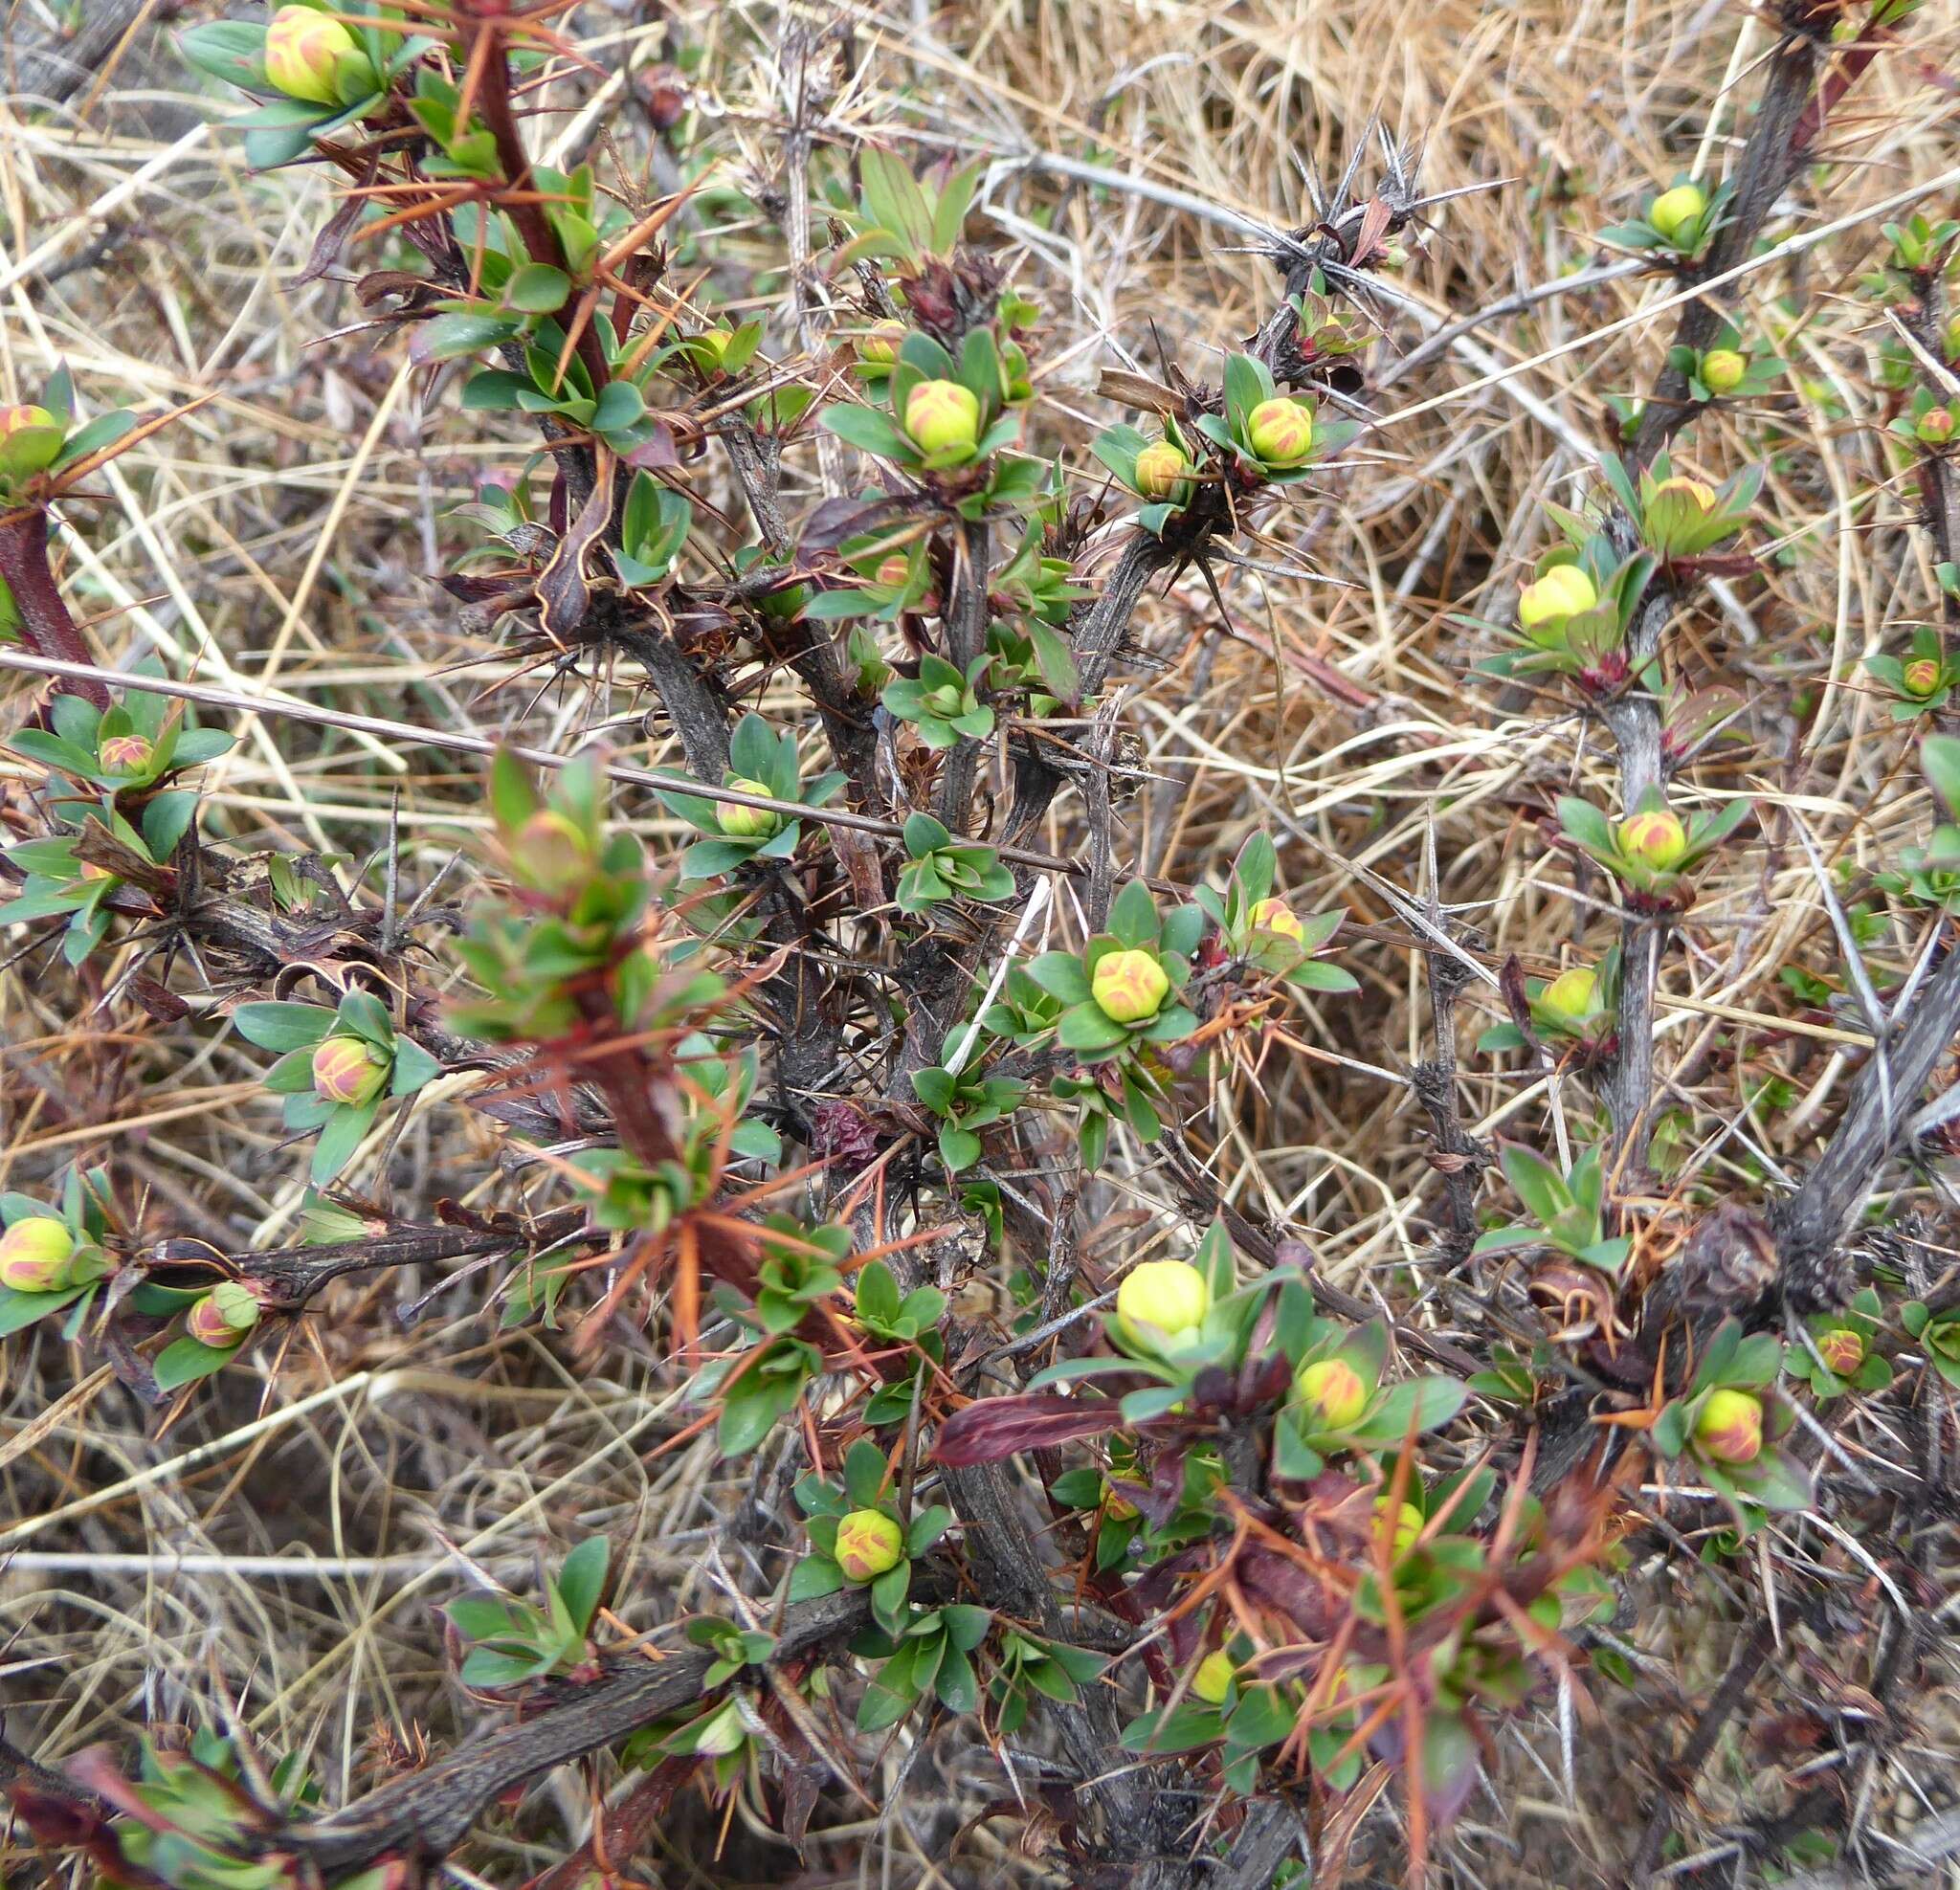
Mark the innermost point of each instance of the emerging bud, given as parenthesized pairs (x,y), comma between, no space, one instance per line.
(948,700)
(1214,1679)
(1563,591)
(1335,1391)
(748,823)
(1730,1427)
(1118,1507)
(225,1315)
(868,1545)
(1674,210)
(1920,678)
(878,346)
(1408,1526)
(125,754)
(29,457)
(552,852)
(35,1256)
(1656,838)
(1160,467)
(1274,915)
(1572,995)
(1935,426)
(303,55)
(1161,1300)
(941,415)
(1843,1350)
(1280,431)
(1723,369)
(722,1735)
(1129,986)
(346,1069)
(895,572)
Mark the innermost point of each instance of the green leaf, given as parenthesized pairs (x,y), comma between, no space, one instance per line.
(582,1579)
(1536,1182)
(339,1138)
(538,289)
(185,1360)
(283,1026)
(814,1576)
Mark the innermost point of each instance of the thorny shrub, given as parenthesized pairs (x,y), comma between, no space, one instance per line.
(1231,1567)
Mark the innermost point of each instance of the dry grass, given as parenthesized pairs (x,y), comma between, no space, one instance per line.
(277,1551)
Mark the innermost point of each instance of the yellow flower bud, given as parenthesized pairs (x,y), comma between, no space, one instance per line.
(1214,1679)
(1274,915)
(35,1255)
(748,823)
(1673,211)
(1723,369)
(1160,467)
(1129,986)
(941,415)
(302,54)
(1843,1350)
(1160,1303)
(1572,995)
(1656,838)
(1408,1526)
(1730,1427)
(346,1069)
(125,753)
(1280,431)
(895,572)
(29,457)
(878,346)
(1563,591)
(1696,492)
(1335,1391)
(868,1545)
(1920,678)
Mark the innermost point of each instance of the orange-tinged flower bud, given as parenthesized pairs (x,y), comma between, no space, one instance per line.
(552,852)
(895,572)
(1563,591)
(35,1255)
(1214,1679)
(1335,1391)
(941,415)
(226,1314)
(1274,915)
(1160,1303)
(1723,369)
(748,823)
(1129,986)
(1673,211)
(302,54)
(1572,995)
(41,452)
(1843,1350)
(1281,431)
(869,1543)
(1920,678)
(346,1069)
(1730,1427)
(125,753)
(1160,466)
(1656,838)
(1408,1526)
(1935,426)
